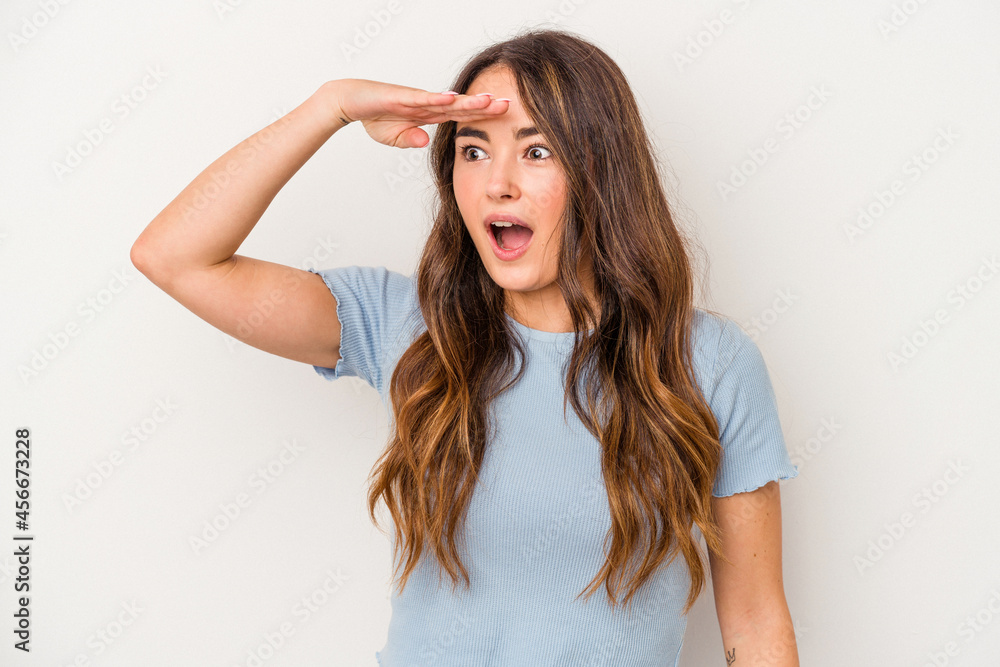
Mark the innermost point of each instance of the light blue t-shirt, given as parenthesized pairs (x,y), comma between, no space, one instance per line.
(537,521)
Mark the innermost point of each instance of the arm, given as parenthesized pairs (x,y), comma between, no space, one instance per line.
(188,250)
(749,595)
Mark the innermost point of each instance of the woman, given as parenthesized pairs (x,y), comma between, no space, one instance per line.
(553,276)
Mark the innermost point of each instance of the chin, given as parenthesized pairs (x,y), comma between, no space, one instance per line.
(519,279)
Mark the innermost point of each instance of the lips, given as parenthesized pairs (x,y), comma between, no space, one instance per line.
(520,239)
(509,221)
(504,217)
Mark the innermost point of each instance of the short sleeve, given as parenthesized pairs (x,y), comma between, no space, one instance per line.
(744,405)
(372,305)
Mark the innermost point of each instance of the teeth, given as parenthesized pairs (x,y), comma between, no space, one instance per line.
(502,224)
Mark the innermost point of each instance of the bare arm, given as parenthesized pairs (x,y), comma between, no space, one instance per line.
(189,248)
(749,594)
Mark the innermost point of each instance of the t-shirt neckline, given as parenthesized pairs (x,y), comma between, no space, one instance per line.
(561,337)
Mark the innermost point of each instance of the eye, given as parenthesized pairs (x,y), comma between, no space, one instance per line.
(539,147)
(532,152)
(465,152)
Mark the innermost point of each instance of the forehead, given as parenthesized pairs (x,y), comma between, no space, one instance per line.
(500,82)
(494,76)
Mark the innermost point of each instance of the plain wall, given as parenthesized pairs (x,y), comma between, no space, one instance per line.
(837,163)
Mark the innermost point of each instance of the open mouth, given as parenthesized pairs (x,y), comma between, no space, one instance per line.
(509,235)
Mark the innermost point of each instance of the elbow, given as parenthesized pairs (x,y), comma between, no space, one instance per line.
(135,256)
(139,256)
(146,261)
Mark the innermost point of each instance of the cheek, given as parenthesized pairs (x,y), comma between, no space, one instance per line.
(466,191)
(462,199)
(548,198)
(460,188)
(548,202)
(467,210)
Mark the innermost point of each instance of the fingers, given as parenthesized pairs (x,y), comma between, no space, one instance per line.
(416,138)
(457,106)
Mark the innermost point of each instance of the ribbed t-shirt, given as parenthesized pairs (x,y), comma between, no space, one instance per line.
(535,528)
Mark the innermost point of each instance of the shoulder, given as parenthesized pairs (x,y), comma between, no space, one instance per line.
(737,386)
(396,296)
(379,317)
(376,288)
(720,346)
(375,303)
(370,281)
(715,338)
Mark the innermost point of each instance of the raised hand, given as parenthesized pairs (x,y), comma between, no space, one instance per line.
(392,114)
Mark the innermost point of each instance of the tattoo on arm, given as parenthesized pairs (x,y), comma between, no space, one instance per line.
(730,657)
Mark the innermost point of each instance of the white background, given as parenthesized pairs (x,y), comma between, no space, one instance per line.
(875,572)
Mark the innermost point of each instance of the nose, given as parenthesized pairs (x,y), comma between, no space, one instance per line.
(503,176)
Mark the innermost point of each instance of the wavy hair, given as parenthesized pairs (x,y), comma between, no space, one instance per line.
(660,440)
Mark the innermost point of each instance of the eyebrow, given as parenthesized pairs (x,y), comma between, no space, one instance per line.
(479,134)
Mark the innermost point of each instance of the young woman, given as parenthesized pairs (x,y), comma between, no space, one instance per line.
(553,276)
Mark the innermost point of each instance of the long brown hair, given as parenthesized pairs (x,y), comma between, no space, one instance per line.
(659,438)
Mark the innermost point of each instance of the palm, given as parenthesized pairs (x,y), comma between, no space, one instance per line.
(392,115)
(398,132)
